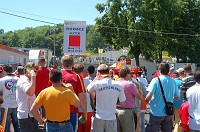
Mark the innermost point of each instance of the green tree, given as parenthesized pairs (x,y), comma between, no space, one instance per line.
(118,24)
(94,40)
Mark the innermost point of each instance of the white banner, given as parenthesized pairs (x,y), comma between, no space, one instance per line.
(74,37)
(34,55)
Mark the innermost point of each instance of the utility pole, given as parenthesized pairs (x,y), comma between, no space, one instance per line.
(54,45)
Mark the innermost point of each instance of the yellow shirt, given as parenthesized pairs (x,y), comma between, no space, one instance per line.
(56,102)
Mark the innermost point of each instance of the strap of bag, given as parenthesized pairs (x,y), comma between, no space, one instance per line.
(162,91)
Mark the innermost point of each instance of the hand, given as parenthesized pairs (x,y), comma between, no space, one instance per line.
(43,121)
(32,73)
(84,115)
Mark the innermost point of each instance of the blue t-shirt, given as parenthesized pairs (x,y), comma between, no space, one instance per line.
(177,103)
(157,104)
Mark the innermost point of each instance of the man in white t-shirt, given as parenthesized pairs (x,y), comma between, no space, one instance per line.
(9,106)
(193,96)
(108,94)
(25,96)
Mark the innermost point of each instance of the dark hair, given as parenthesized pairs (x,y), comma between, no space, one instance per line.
(91,69)
(55,76)
(1,100)
(197,76)
(124,71)
(7,68)
(139,71)
(164,68)
(41,59)
(20,71)
(187,68)
(78,68)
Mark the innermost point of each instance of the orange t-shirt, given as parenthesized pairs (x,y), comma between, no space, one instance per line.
(56,102)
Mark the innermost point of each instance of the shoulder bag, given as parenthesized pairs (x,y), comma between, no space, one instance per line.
(169,108)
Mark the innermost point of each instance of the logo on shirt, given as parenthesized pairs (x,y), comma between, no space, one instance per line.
(10,85)
(109,87)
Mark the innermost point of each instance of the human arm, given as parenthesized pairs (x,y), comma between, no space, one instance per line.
(83,104)
(151,89)
(82,96)
(35,112)
(122,99)
(122,104)
(177,98)
(77,103)
(177,92)
(148,96)
(137,86)
(31,88)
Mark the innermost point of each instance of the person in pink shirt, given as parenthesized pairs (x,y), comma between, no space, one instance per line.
(125,115)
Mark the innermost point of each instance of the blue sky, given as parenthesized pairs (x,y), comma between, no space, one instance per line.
(53,11)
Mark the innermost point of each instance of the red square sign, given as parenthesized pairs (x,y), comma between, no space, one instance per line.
(74,40)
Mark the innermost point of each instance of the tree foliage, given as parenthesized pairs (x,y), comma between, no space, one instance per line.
(43,37)
(149,27)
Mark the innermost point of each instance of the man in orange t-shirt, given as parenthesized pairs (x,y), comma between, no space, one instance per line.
(56,101)
(69,76)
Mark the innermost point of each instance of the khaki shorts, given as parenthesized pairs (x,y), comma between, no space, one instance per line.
(100,125)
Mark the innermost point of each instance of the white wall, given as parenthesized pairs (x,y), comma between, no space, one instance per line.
(8,57)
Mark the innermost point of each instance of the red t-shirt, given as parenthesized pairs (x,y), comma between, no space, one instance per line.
(69,76)
(42,79)
(184,116)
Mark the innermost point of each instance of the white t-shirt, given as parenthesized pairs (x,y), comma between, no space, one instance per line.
(193,96)
(8,86)
(24,101)
(87,81)
(108,92)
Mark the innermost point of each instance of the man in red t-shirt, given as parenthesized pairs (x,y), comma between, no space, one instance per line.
(69,76)
(42,77)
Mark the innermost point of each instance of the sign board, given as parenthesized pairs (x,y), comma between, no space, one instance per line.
(74,37)
(34,55)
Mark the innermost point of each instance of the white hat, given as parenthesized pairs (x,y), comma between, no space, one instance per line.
(180,70)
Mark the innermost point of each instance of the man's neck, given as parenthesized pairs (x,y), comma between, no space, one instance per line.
(67,68)
(56,84)
(9,74)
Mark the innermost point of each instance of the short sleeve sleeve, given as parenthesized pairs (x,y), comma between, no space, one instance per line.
(39,99)
(80,84)
(177,93)
(24,86)
(91,87)
(152,86)
(133,89)
(122,96)
(71,97)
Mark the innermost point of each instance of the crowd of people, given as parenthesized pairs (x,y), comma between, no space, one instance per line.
(83,99)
